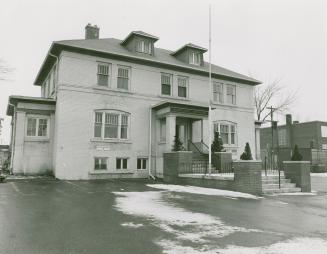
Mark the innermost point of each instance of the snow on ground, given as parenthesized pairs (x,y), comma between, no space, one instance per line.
(202,191)
(183,224)
(312,193)
(293,246)
(132,225)
(319,174)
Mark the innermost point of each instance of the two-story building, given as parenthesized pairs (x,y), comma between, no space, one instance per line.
(110,108)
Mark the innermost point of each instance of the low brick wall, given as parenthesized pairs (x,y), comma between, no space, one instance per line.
(299,173)
(172,162)
(207,182)
(247,175)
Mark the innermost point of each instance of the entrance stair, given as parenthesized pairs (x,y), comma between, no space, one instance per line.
(270,185)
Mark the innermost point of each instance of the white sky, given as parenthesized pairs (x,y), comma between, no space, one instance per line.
(269,38)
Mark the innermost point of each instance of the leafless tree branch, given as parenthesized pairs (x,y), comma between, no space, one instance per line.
(5,70)
(275,95)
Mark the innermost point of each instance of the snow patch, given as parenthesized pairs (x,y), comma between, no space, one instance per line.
(202,191)
(293,246)
(132,225)
(184,224)
(319,174)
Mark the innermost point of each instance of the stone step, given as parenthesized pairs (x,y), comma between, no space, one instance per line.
(272,181)
(282,190)
(276,185)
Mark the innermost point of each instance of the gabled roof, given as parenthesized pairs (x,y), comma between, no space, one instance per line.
(112,48)
(14,99)
(154,38)
(189,45)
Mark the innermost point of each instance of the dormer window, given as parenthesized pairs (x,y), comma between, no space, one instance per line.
(195,58)
(144,46)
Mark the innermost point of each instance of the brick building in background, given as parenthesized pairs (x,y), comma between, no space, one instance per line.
(311,138)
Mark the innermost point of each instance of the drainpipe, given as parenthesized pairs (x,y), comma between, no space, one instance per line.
(150,141)
(57,66)
(13,138)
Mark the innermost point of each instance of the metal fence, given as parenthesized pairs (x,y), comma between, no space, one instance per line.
(202,167)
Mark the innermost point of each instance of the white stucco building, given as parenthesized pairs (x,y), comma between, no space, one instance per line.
(110,108)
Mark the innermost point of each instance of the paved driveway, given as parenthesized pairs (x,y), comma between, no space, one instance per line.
(48,216)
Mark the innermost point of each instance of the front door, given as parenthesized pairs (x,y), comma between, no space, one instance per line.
(183,132)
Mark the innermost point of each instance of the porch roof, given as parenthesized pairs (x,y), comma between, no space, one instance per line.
(183,108)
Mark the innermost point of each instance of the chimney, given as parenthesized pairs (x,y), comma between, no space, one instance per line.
(91,32)
(288,119)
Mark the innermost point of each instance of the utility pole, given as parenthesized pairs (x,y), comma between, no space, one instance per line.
(209,112)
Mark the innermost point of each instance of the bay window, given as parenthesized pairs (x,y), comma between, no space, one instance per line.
(111,124)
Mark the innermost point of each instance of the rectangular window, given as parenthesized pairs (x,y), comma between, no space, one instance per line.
(217,92)
(103,74)
(324,131)
(163,129)
(111,125)
(227,133)
(31,127)
(195,58)
(37,127)
(121,163)
(142,163)
(100,163)
(224,133)
(98,125)
(124,127)
(144,47)
(182,87)
(123,78)
(43,127)
(165,84)
(231,94)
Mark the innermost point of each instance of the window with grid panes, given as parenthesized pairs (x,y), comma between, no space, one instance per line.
(166,84)
(98,125)
(231,94)
(195,58)
(124,126)
(217,92)
(111,125)
(123,78)
(37,127)
(103,74)
(144,47)
(182,87)
(100,163)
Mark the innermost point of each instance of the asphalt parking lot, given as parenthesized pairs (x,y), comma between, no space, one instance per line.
(50,216)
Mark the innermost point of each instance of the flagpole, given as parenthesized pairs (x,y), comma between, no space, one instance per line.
(209,97)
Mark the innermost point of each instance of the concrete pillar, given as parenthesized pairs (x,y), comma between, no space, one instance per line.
(170,131)
(257,140)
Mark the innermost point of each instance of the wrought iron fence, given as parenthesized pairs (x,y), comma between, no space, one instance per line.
(202,167)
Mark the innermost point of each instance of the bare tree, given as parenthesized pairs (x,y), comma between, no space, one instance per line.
(4,70)
(272,94)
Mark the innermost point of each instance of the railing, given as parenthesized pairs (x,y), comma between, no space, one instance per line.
(202,167)
(272,166)
(199,147)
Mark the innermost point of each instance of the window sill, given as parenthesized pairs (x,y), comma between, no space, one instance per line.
(111,141)
(222,104)
(37,139)
(174,97)
(105,88)
(101,172)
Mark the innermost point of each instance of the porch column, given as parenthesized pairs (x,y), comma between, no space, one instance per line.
(170,131)
(202,130)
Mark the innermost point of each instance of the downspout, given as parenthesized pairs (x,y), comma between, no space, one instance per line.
(150,142)
(56,74)
(13,138)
